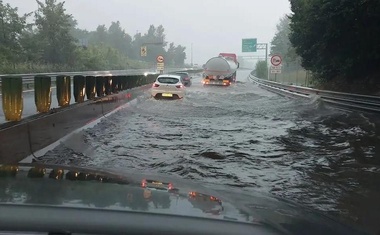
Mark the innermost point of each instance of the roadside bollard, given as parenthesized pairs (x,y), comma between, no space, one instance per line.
(123,82)
(115,84)
(63,90)
(135,81)
(108,85)
(128,82)
(42,93)
(11,90)
(90,87)
(79,88)
(100,88)
(139,81)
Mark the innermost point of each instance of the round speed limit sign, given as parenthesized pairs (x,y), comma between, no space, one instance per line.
(276,60)
(160,59)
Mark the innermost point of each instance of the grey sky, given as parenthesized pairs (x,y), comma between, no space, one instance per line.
(212,26)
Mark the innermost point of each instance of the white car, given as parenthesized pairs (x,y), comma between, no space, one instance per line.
(168,86)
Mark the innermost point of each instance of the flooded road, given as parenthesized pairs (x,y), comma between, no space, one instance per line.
(243,136)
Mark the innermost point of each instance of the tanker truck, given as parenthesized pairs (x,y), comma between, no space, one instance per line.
(221,70)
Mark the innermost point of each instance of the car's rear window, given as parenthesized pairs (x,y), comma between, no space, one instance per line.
(168,80)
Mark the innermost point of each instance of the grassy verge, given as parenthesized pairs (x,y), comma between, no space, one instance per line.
(366,86)
(296,77)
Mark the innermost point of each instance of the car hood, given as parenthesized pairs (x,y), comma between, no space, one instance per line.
(151,193)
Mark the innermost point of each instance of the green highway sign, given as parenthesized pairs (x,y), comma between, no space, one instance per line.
(249,45)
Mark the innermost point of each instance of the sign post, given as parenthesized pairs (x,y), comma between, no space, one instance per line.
(251,45)
(143,51)
(276,61)
(160,63)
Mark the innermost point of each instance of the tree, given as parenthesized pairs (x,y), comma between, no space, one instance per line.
(160,35)
(118,39)
(154,40)
(32,47)
(262,69)
(170,54)
(11,28)
(54,31)
(54,42)
(337,38)
(179,55)
(136,45)
(281,45)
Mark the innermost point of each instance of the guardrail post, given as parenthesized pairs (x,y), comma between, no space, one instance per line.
(120,83)
(129,81)
(42,93)
(11,89)
(63,84)
(123,82)
(142,80)
(100,87)
(139,81)
(151,78)
(115,84)
(79,88)
(108,85)
(90,87)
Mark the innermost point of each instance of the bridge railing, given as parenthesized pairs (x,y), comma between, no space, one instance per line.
(83,86)
(29,136)
(338,99)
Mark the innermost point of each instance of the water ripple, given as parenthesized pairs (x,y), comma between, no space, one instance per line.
(246,137)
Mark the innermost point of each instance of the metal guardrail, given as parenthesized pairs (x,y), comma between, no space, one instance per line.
(342,100)
(95,73)
(28,79)
(86,86)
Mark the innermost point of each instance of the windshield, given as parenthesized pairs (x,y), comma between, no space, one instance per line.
(168,80)
(279,97)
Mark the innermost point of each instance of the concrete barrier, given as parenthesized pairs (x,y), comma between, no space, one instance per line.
(14,143)
(19,141)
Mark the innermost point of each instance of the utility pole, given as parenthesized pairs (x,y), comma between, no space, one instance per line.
(191,54)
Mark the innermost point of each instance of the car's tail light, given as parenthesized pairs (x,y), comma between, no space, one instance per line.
(170,186)
(155,85)
(143,183)
(179,86)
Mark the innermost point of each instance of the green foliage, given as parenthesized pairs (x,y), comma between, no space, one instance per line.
(154,39)
(53,31)
(262,69)
(281,45)
(11,27)
(337,38)
(53,42)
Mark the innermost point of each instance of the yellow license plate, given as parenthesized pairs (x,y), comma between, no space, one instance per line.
(167,95)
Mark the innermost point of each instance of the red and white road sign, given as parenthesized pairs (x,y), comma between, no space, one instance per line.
(160,59)
(276,60)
